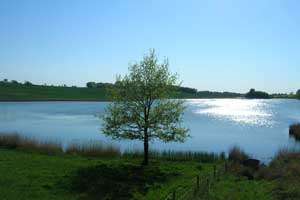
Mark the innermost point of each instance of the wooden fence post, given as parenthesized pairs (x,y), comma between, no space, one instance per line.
(198,182)
(174,195)
(207,185)
(215,171)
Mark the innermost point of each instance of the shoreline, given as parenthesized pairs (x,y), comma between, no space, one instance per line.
(106,100)
(53,100)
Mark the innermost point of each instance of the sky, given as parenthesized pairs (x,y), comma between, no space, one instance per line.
(218,45)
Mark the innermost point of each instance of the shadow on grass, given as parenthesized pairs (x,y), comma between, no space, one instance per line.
(120,182)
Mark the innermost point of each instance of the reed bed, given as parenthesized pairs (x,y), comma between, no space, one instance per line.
(285,154)
(13,141)
(236,154)
(295,131)
(101,149)
(93,148)
(178,155)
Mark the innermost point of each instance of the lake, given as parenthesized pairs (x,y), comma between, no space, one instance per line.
(260,127)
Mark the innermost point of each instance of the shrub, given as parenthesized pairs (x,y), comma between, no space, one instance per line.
(248,172)
(236,154)
(286,164)
(284,170)
(169,155)
(286,155)
(28,83)
(268,173)
(13,141)
(14,82)
(91,85)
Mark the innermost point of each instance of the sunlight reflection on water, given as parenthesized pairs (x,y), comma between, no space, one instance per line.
(248,112)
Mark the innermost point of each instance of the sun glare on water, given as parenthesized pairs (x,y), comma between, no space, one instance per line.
(242,111)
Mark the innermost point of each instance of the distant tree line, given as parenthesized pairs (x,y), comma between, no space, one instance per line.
(14,82)
(283,95)
(99,85)
(185,90)
(209,94)
(28,83)
(252,94)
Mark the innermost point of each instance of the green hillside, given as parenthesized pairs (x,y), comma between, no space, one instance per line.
(18,92)
(28,92)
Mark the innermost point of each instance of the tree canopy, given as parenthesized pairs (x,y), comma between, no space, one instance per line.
(252,94)
(298,94)
(141,109)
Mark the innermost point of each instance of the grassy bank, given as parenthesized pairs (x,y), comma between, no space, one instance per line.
(32,170)
(283,171)
(33,175)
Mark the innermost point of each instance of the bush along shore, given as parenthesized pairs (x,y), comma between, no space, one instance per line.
(32,169)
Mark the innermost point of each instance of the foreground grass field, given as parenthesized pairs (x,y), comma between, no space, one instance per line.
(31,175)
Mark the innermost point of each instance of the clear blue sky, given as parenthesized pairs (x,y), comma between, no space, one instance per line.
(213,44)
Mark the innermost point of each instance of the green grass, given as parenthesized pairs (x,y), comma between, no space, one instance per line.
(21,92)
(32,175)
(240,188)
(284,170)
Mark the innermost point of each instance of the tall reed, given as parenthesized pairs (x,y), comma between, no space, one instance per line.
(295,131)
(178,155)
(93,148)
(101,149)
(285,154)
(13,141)
(236,154)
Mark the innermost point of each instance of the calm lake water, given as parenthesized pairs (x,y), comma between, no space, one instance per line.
(260,127)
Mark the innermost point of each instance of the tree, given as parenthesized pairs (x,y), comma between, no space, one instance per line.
(141,109)
(298,93)
(14,82)
(105,85)
(91,85)
(251,91)
(253,94)
(27,83)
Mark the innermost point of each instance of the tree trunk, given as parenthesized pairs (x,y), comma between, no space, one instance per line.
(146,147)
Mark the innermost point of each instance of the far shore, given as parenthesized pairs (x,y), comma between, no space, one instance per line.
(35,100)
(101,100)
